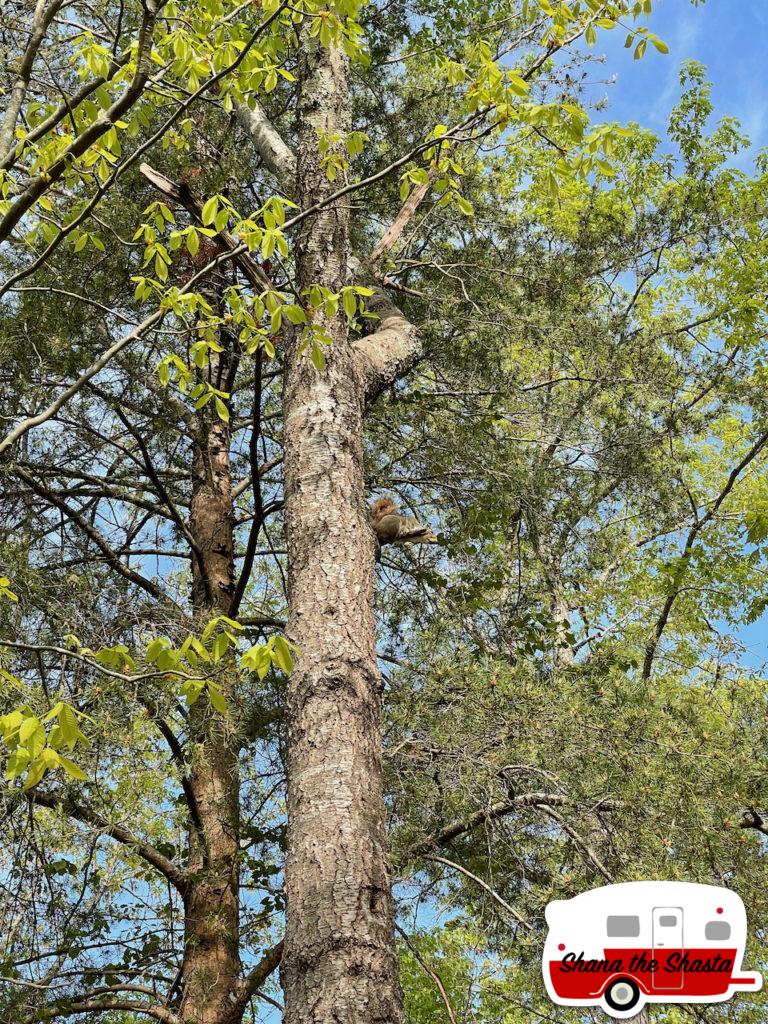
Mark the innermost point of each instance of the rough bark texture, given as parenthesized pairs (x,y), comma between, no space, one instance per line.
(339,964)
(213,568)
(396,347)
(211,958)
(211,955)
(392,351)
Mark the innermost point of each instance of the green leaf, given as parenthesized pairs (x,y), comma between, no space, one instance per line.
(53,713)
(256,659)
(317,356)
(349,302)
(55,738)
(465,206)
(70,730)
(209,630)
(518,85)
(210,210)
(73,770)
(17,763)
(50,758)
(295,314)
(28,728)
(9,724)
(216,697)
(267,244)
(191,690)
(281,654)
(35,773)
(154,648)
(220,645)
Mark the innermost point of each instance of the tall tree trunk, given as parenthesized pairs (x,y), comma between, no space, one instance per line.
(211,952)
(339,964)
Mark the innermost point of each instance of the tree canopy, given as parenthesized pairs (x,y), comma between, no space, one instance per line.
(263,263)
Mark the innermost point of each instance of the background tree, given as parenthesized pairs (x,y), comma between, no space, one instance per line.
(210,211)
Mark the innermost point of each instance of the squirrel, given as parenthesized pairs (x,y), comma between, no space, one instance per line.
(392,528)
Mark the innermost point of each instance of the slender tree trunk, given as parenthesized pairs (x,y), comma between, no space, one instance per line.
(211,953)
(339,964)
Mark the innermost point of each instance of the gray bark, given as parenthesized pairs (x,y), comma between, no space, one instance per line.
(41,19)
(394,349)
(339,963)
(277,156)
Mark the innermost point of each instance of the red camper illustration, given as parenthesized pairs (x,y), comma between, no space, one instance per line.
(622,946)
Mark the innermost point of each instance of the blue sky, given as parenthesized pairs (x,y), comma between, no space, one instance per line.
(730,37)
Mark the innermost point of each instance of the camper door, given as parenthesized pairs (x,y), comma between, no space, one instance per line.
(667,938)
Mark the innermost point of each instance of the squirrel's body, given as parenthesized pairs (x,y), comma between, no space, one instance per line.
(392,528)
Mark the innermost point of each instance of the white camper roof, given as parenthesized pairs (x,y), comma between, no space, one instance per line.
(698,900)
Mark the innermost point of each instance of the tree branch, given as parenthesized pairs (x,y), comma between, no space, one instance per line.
(100,126)
(685,557)
(430,973)
(276,154)
(258,975)
(392,351)
(94,535)
(490,813)
(579,841)
(64,1009)
(53,801)
(483,885)
(181,194)
(41,19)
(258,499)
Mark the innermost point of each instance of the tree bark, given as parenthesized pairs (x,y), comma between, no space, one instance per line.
(339,964)
(639,1018)
(211,966)
(41,20)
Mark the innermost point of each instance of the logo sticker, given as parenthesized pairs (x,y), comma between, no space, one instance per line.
(622,946)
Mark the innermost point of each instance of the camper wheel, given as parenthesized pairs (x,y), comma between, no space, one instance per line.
(622,995)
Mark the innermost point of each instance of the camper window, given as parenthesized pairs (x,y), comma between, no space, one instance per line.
(668,920)
(717,930)
(624,927)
